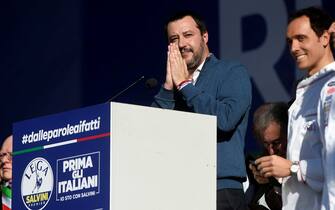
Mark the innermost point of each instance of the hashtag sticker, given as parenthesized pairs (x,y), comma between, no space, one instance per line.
(69,129)
(24,139)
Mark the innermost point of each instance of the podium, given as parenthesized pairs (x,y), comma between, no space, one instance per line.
(115,156)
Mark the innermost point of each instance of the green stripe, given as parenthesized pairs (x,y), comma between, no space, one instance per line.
(7,191)
(20,152)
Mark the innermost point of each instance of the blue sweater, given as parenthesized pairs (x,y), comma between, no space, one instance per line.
(223,89)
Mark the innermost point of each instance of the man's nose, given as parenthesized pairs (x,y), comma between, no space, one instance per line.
(2,161)
(181,42)
(294,46)
(270,150)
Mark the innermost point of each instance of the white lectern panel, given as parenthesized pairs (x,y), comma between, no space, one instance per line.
(162,159)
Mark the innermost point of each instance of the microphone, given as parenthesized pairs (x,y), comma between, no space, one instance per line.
(151,83)
(124,90)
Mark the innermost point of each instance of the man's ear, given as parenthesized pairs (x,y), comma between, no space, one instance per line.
(325,38)
(205,37)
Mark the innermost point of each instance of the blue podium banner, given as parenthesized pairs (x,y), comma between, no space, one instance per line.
(62,161)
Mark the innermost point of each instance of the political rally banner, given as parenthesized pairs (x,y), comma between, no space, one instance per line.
(62,161)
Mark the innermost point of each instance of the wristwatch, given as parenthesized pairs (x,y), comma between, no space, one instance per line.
(294,167)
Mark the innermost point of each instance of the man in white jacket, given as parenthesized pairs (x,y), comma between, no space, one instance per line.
(308,174)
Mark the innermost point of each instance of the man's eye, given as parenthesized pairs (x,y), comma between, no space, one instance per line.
(188,35)
(276,142)
(301,38)
(172,40)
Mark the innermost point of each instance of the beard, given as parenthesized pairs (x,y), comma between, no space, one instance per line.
(196,59)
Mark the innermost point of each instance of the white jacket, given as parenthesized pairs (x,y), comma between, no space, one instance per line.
(326,120)
(305,144)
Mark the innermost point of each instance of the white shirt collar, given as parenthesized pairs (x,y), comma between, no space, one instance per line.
(324,71)
(196,73)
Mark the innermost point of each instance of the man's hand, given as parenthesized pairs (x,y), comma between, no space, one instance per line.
(168,85)
(257,175)
(178,65)
(273,165)
(331,30)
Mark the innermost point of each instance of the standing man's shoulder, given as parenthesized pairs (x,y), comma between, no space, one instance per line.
(329,86)
(229,66)
(232,78)
(329,75)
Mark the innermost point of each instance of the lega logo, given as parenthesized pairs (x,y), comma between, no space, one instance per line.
(37,184)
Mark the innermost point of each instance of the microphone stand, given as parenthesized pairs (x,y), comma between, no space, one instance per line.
(124,90)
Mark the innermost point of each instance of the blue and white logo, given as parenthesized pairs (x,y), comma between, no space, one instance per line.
(78,177)
(37,184)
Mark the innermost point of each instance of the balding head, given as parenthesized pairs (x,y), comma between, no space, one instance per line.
(6,159)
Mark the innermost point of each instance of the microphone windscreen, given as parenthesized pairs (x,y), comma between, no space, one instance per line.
(151,83)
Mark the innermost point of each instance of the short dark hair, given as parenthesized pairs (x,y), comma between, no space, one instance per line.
(320,21)
(196,17)
(267,113)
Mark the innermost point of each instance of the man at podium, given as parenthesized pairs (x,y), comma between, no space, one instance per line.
(196,81)
(6,173)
